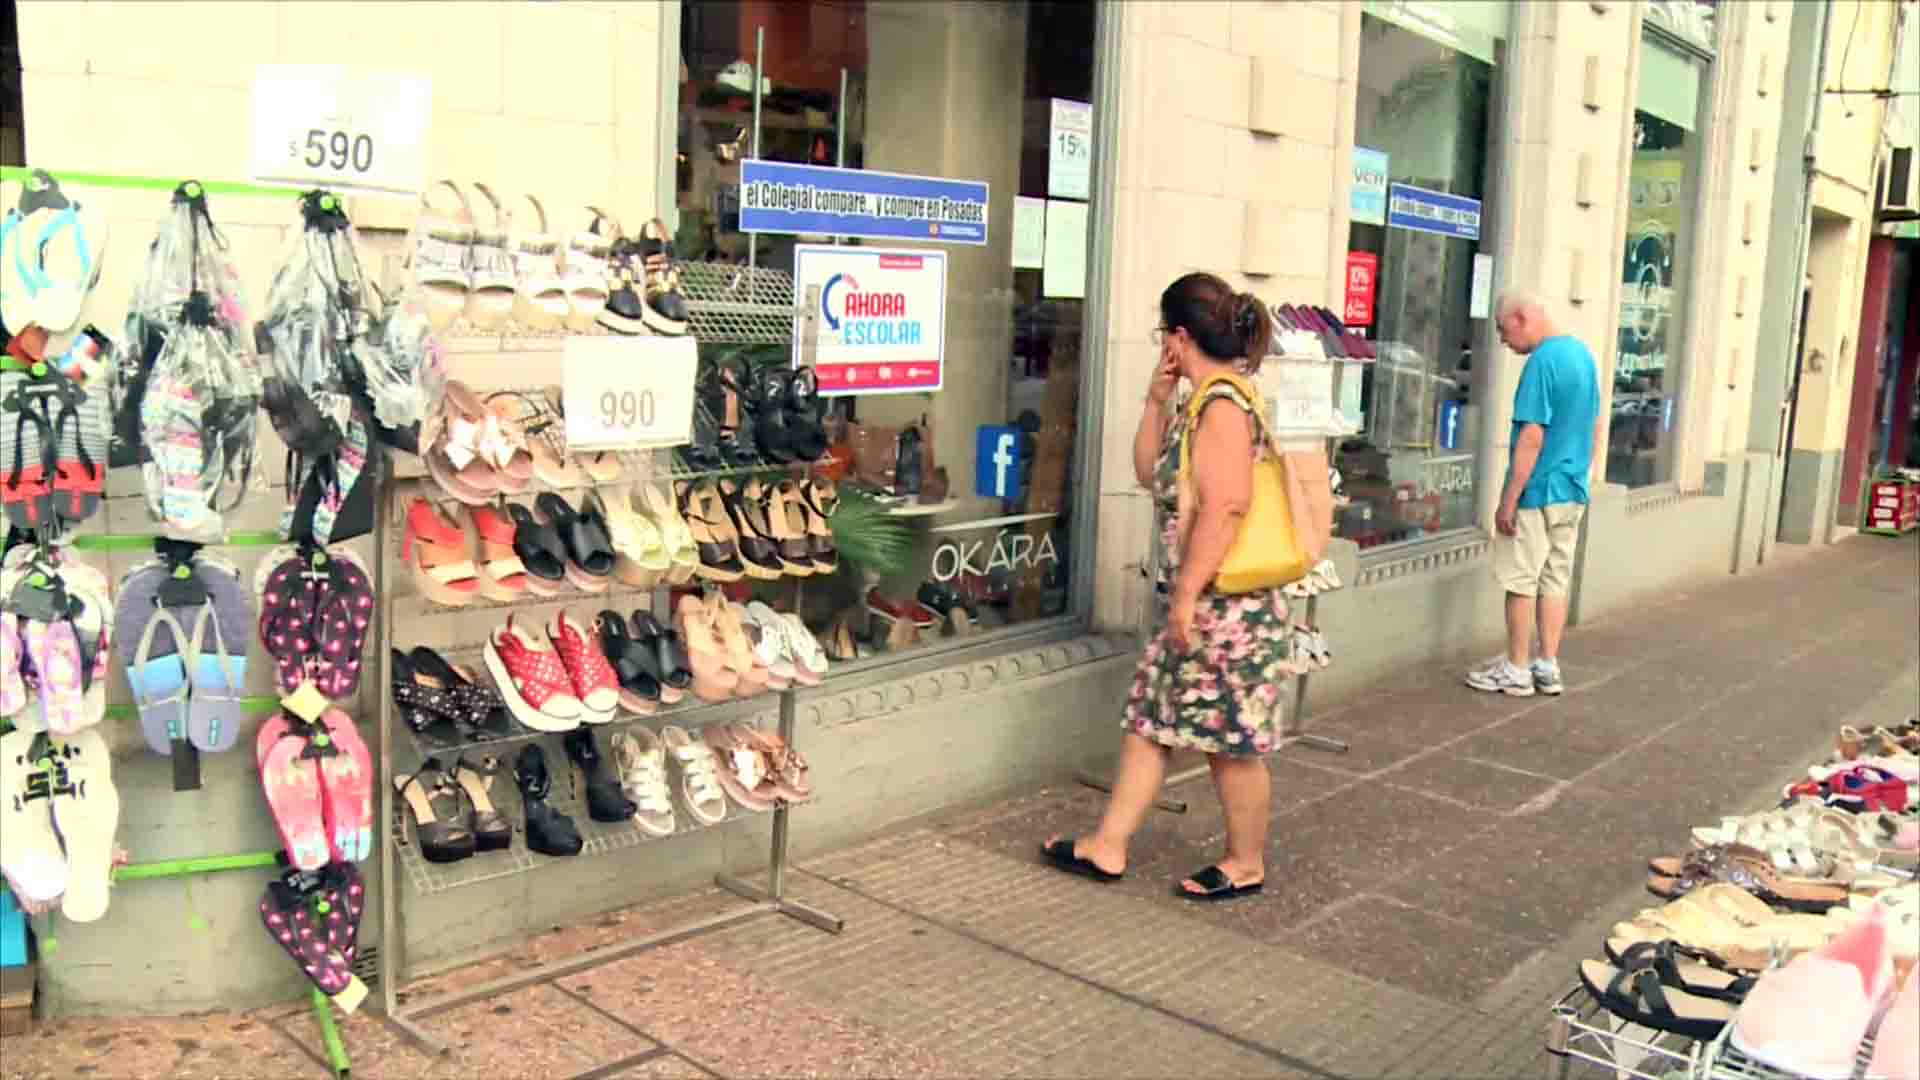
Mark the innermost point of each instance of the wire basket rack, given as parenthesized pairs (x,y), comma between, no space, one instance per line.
(737,304)
(1582,1030)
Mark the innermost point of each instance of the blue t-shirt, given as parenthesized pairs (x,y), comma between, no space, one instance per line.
(1560,391)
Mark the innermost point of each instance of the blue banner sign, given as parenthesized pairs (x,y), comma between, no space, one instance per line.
(1438,212)
(776,197)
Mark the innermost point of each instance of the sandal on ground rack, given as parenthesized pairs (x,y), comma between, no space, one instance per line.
(549,832)
(642,761)
(491,829)
(439,817)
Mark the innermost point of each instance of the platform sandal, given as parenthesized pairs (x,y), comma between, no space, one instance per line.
(549,832)
(491,829)
(439,817)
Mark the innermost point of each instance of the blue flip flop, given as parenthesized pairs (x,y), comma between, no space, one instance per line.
(217,660)
(159,685)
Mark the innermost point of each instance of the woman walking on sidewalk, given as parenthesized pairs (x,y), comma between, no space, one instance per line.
(1210,680)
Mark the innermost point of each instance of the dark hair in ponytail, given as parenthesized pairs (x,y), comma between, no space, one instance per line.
(1230,327)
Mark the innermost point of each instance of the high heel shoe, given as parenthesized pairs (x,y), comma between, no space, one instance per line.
(755,534)
(606,803)
(771,386)
(713,534)
(789,524)
(549,831)
(806,428)
(491,829)
(438,820)
(819,497)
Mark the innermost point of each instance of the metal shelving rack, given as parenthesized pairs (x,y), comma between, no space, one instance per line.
(727,304)
(1581,1029)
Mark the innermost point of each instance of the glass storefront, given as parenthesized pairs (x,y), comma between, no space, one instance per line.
(967,452)
(1423,131)
(1670,107)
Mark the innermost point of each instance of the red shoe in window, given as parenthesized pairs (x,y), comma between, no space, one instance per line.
(593,678)
(916,613)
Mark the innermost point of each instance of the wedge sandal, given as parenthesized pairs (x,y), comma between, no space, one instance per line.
(490,303)
(539,296)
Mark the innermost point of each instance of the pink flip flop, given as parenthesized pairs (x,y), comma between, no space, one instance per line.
(292,786)
(55,652)
(346,779)
(13,688)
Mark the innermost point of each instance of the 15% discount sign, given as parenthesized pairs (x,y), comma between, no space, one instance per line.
(334,126)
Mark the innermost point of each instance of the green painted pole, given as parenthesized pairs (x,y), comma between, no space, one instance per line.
(329,1034)
(205,865)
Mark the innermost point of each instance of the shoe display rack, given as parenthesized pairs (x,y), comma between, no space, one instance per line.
(1580,1029)
(726,304)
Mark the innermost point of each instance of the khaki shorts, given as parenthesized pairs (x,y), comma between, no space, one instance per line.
(1537,560)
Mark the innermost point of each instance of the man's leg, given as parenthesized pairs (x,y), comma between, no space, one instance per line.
(1517,561)
(1520,620)
(1553,623)
(1556,576)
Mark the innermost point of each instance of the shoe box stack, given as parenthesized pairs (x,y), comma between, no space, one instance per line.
(1789,937)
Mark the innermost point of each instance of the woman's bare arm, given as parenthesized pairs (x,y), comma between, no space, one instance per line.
(1223,488)
(1146,441)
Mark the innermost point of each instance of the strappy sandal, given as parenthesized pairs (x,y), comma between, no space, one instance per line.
(806,428)
(541,552)
(743,771)
(477,706)
(600,466)
(759,552)
(725,617)
(642,764)
(820,498)
(594,680)
(435,550)
(539,297)
(586,270)
(549,831)
(713,679)
(491,301)
(683,553)
(1752,870)
(786,525)
(439,817)
(491,829)
(713,535)
(423,704)
(438,253)
(700,789)
(469,451)
(605,802)
(546,439)
(517,470)
(785,766)
(1639,996)
(590,556)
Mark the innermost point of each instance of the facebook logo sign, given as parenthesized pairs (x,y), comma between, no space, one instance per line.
(996,462)
(1450,425)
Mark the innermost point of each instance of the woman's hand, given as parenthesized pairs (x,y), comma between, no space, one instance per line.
(1165,375)
(1180,622)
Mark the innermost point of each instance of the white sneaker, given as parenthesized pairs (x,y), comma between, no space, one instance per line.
(1501,677)
(1546,677)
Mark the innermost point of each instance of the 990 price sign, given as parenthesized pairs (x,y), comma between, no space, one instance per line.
(333,126)
(628,393)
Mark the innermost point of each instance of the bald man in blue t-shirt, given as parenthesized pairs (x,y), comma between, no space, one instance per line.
(1556,422)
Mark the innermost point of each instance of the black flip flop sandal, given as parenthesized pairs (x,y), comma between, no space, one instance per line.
(1060,855)
(1216,885)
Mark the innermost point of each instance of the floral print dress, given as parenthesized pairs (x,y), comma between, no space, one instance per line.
(1223,697)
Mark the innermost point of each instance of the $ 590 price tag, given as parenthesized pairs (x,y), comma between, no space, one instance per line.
(334,126)
(628,393)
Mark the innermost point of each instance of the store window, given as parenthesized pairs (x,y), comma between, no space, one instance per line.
(1424,131)
(950,436)
(1657,263)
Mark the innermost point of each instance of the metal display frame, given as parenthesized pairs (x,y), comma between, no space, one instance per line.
(1580,1028)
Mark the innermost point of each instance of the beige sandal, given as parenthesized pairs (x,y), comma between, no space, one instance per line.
(586,270)
(490,303)
(437,256)
(539,297)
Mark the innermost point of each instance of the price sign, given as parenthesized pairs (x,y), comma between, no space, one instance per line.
(1299,397)
(333,126)
(1070,150)
(628,393)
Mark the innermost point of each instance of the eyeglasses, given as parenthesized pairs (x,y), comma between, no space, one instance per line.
(1160,334)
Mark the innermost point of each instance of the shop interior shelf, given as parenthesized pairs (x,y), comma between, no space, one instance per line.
(568,797)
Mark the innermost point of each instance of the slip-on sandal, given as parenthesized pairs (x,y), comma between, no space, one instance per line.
(785,766)
(502,576)
(666,656)
(435,548)
(87,811)
(438,253)
(469,452)
(491,302)
(291,782)
(346,785)
(19,267)
(632,664)
(82,434)
(13,686)
(1752,870)
(1215,885)
(31,858)
(1059,854)
(540,296)
(315,609)
(590,556)
(517,470)
(585,276)
(541,551)
(294,922)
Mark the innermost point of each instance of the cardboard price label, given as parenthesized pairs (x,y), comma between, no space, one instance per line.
(327,125)
(628,393)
